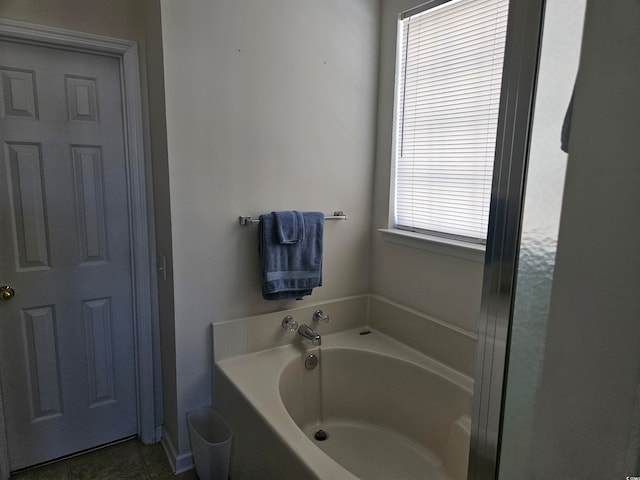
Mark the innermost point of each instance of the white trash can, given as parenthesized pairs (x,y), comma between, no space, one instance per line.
(211,438)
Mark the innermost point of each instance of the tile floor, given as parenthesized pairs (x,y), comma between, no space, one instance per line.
(129,460)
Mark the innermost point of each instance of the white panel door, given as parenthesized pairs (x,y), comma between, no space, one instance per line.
(67,364)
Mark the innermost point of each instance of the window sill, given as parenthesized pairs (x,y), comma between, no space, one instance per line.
(440,245)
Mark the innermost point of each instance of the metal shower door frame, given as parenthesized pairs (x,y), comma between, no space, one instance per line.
(522,51)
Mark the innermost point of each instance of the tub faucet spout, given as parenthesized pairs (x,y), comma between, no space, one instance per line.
(307,332)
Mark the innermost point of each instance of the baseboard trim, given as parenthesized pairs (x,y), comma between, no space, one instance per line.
(180,463)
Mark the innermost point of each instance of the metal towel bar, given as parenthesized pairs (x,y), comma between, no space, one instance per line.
(247,220)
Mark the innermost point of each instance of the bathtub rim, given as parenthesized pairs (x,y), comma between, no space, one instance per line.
(264,397)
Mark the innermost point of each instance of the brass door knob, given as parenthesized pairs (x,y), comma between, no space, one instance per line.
(7,292)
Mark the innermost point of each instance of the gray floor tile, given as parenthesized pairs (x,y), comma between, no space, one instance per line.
(55,471)
(190,475)
(130,460)
(118,461)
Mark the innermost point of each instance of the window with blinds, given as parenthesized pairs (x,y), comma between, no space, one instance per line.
(448,76)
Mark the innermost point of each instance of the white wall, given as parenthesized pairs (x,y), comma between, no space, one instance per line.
(114,18)
(444,286)
(164,341)
(270,106)
(588,405)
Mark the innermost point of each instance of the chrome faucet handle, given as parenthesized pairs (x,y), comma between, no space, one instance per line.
(288,323)
(320,316)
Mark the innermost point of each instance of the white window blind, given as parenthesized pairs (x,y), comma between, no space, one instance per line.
(449,72)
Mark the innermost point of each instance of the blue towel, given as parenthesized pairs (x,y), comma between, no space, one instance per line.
(290,226)
(566,127)
(290,270)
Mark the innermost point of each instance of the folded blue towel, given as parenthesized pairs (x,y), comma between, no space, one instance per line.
(290,270)
(289,226)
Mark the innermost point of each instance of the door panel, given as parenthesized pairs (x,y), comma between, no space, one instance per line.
(66,338)
(26,190)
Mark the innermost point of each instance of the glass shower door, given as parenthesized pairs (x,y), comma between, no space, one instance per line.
(557,372)
(541,58)
(560,51)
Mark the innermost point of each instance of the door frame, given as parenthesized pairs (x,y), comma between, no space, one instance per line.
(126,52)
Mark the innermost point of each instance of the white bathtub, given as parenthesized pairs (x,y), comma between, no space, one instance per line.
(389,411)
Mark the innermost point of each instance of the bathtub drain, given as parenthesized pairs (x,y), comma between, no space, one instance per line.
(321,435)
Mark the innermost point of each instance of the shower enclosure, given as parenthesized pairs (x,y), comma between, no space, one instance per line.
(556,373)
